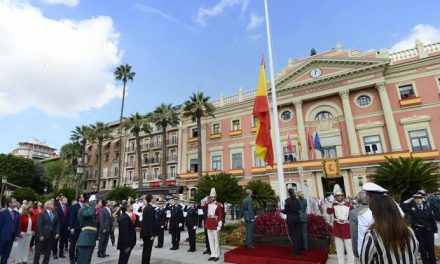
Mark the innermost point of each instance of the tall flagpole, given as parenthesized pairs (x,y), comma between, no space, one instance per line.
(281,184)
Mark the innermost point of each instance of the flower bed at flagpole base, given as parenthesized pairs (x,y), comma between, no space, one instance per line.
(271,228)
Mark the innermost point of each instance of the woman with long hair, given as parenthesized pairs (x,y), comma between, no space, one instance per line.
(389,240)
(291,209)
(27,229)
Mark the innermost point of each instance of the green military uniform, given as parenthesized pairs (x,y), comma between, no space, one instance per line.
(87,238)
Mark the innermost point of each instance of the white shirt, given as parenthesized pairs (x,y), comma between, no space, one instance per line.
(29,227)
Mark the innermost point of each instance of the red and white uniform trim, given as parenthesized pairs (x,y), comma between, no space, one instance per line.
(214,218)
(341,223)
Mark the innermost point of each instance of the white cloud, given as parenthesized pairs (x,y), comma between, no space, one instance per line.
(59,67)
(218,9)
(423,32)
(71,3)
(254,21)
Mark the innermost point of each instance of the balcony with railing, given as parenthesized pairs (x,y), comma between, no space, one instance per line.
(157,144)
(155,160)
(172,141)
(145,146)
(130,148)
(172,175)
(172,158)
(129,164)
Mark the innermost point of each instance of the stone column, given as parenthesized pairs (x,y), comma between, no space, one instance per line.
(351,131)
(389,117)
(301,129)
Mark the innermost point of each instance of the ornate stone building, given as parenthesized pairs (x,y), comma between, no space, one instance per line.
(363,105)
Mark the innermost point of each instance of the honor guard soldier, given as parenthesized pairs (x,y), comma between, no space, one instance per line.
(175,222)
(192,220)
(214,223)
(341,227)
(423,224)
(160,223)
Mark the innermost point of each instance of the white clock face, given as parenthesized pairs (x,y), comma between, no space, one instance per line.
(315,72)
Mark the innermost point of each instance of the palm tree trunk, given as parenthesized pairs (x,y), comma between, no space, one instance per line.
(139,159)
(99,164)
(199,148)
(120,136)
(164,155)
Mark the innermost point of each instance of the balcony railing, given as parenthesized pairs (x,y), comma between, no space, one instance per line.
(156,144)
(145,146)
(172,158)
(129,164)
(172,175)
(155,160)
(173,141)
(130,148)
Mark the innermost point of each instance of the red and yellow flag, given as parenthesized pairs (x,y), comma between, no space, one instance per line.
(263,149)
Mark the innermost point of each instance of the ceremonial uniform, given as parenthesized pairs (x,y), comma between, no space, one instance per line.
(192,220)
(341,229)
(176,222)
(160,225)
(213,224)
(424,226)
(87,238)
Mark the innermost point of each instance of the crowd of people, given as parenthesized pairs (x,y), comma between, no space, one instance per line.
(60,230)
(372,228)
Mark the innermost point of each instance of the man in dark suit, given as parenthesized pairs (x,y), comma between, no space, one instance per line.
(148,231)
(248,213)
(48,230)
(105,227)
(63,215)
(192,220)
(9,229)
(75,228)
(127,234)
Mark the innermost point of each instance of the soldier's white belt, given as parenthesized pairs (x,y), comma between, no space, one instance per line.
(91,228)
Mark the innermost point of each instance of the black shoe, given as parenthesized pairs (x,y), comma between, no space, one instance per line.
(55,257)
(62,256)
(101,256)
(191,250)
(173,248)
(215,259)
(206,252)
(158,247)
(106,255)
(211,258)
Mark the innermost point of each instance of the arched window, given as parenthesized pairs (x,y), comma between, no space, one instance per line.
(323,115)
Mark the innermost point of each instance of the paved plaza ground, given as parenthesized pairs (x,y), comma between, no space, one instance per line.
(159,256)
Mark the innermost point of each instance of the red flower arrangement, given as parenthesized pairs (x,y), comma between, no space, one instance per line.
(272,224)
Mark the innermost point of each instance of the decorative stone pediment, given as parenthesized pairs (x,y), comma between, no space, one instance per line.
(316,70)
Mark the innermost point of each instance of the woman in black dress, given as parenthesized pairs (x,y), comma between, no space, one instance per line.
(291,209)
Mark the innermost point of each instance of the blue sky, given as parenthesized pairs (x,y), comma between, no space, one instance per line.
(59,55)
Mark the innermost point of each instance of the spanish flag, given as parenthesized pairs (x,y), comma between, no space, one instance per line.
(263,149)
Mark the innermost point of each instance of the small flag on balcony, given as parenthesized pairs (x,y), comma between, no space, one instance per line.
(309,141)
(317,142)
(263,141)
(289,144)
(300,147)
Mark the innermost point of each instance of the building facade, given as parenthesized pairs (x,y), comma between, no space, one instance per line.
(35,150)
(363,105)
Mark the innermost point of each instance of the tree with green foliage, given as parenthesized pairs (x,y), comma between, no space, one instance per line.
(25,193)
(226,186)
(80,135)
(122,73)
(403,177)
(197,107)
(98,133)
(53,171)
(164,115)
(262,193)
(135,124)
(121,193)
(18,170)
(67,192)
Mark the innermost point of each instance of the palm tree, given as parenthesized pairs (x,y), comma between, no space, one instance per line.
(262,193)
(98,133)
(135,124)
(163,116)
(80,135)
(69,154)
(403,177)
(196,107)
(122,73)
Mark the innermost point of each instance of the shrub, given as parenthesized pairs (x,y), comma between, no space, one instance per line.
(317,227)
(121,193)
(25,193)
(237,237)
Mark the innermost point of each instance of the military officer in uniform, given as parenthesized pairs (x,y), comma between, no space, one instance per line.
(423,224)
(160,223)
(192,220)
(87,238)
(175,222)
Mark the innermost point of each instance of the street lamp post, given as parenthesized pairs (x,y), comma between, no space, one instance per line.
(79,173)
(45,190)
